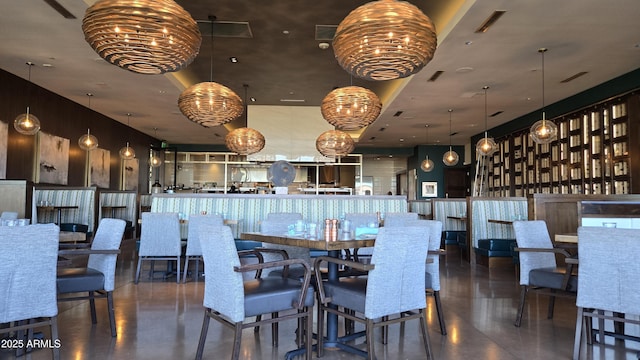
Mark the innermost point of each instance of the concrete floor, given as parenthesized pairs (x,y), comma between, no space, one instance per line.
(159,319)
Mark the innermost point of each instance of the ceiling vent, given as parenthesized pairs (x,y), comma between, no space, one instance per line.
(228,29)
(573,77)
(398,113)
(435,76)
(325,32)
(484,27)
(60,9)
(496,113)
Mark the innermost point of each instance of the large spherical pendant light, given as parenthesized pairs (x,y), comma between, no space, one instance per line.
(333,143)
(210,104)
(486,146)
(450,158)
(543,131)
(351,107)
(143,36)
(244,141)
(385,40)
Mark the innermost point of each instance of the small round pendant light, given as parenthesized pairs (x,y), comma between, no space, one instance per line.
(543,131)
(87,141)
(450,158)
(27,123)
(486,146)
(427,164)
(127,152)
(155,160)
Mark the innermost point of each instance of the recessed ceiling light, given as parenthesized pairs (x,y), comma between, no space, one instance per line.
(286,32)
(47,65)
(464,69)
(469,42)
(233,59)
(252,99)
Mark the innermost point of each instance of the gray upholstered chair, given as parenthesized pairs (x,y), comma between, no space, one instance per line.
(194,251)
(396,218)
(98,278)
(538,267)
(394,285)
(230,300)
(28,263)
(361,220)
(277,224)
(159,240)
(607,288)
(9,215)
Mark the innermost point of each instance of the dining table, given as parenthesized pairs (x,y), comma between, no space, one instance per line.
(57,208)
(334,249)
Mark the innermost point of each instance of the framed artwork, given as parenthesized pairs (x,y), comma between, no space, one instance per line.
(4,138)
(130,170)
(53,159)
(99,168)
(429,189)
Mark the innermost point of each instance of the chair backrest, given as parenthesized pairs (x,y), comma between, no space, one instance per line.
(533,234)
(391,219)
(290,217)
(160,234)
(28,263)
(195,221)
(396,284)
(361,219)
(608,269)
(280,227)
(108,237)
(223,289)
(434,234)
(9,215)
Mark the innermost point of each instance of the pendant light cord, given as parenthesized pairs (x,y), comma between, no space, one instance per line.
(485,111)
(450,111)
(542,52)
(212,18)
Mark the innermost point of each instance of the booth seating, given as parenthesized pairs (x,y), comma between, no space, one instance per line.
(117,199)
(454,231)
(492,242)
(81,219)
(249,209)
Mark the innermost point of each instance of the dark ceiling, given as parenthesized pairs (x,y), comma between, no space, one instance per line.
(282,60)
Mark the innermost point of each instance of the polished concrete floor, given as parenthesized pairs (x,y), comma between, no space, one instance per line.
(159,319)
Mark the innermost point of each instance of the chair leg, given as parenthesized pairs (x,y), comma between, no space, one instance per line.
(138,270)
(443,326)
(425,334)
(92,306)
(54,337)
(112,317)
(203,334)
(236,341)
(523,297)
(578,336)
(320,339)
(186,267)
(371,355)
(274,330)
(552,301)
(601,327)
(308,342)
(385,330)
(197,273)
(178,270)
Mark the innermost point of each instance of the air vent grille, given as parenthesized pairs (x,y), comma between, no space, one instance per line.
(573,77)
(228,29)
(325,32)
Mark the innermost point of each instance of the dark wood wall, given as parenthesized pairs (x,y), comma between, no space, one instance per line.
(64,118)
